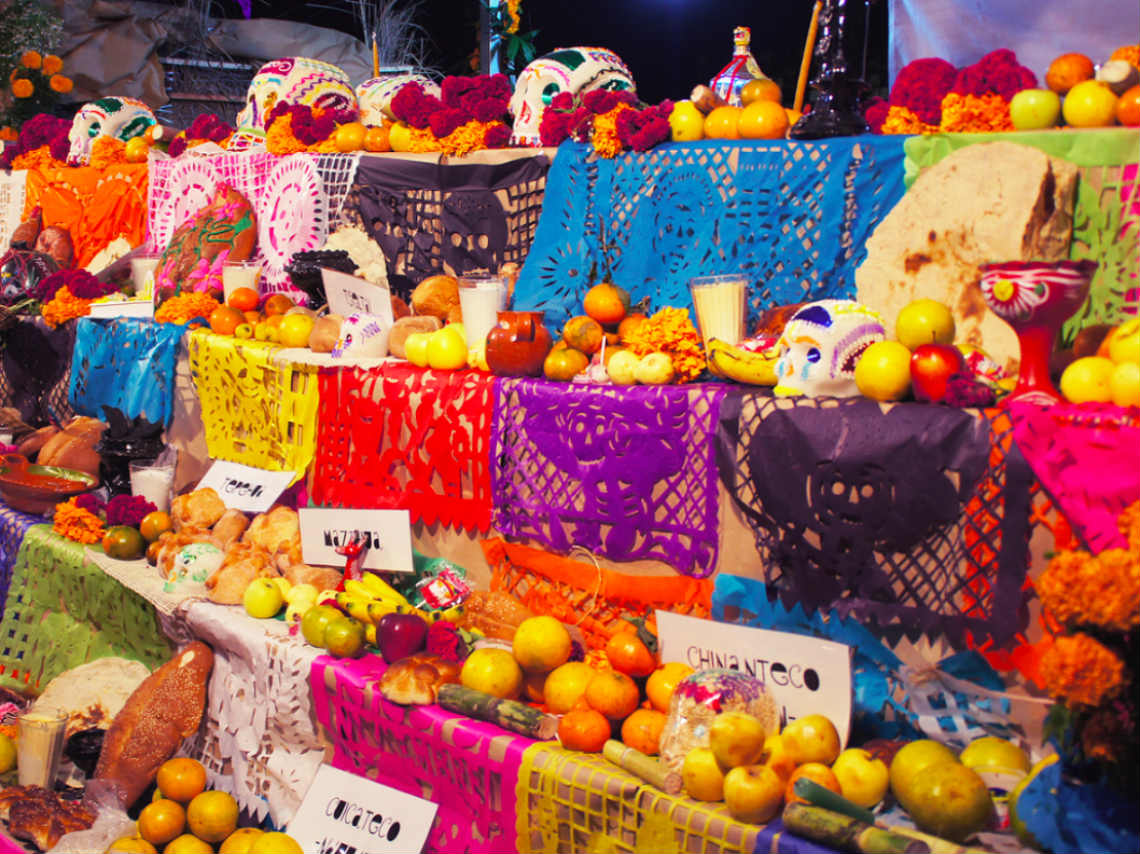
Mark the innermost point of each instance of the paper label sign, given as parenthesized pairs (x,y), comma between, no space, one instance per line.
(805,675)
(123,308)
(386,533)
(349,295)
(246,488)
(346,814)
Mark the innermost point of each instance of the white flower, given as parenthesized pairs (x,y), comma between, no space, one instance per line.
(364,252)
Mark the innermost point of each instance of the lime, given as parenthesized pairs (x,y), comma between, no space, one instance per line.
(316,621)
(344,637)
(124,543)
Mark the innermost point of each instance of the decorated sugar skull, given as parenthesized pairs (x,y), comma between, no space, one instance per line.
(21,271)
(375,96)
(295,80)
(568,69)
(821,344)
(362,335)
(117,117)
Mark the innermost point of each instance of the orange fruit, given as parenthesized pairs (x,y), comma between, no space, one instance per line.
(123,542)
(663,682)
(629,655)
(583,729)
(225,319)
(606,302)
(154,525)
(763,120)
(1129,53)
(376,139)
(212,815)
(566,685)
(722,123)
(181,779)
(1067,70)
(583,333)
(161,821)
(240,840)
(350,136)
(136,150)
(760,89)
(276,304)
(253,317)
(564,363)
(131,845)
(275,842)
(642,731)
(613,694)
(629,323)
(1128,107)
(188,843)
(816,771)
(243,299)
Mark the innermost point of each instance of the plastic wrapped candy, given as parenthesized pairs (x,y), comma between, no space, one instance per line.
(702,696)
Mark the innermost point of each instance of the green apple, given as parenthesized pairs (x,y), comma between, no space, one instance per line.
(1035,109)
(621,367)
(914,757)
(863,778)
(753,793)
(924,321)
(949,800)
(737,738)
(316,621)
(702,775)
(812,738)
(992,752)
(262,598)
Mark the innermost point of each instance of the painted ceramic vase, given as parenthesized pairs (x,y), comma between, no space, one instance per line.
(518,344)
(1035,298)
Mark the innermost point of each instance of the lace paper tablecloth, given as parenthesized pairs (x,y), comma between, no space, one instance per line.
(259,739)
(626,472)
(13,527)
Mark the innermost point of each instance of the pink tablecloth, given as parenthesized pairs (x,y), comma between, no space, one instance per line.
(470,769)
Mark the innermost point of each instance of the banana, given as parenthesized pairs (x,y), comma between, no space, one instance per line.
(381,589)
(296,610)
(739,365)
(370,633)
(354,606)
(377,608)
(358,588)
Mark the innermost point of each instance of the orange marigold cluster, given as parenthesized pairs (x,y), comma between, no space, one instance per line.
(605,137)
(904,121)
(422,140)
(1081,671)
(671,331)
(77,524)
(1080,589)
(279,138)
(37,158)
(466,138)
(64,306)
(185,307)
(1129,53)
(107,151)
(975,113)
(1128,522)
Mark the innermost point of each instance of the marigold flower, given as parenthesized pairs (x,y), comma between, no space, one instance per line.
(64,306)
(107,151)
(605,139)
(1081,671)
(185,307)
(52,64)
(8,134)
(671,331)
(31,59)
(23,88)
(975,113)
(37,158)
(1129,524)
(901,120)
(60,84)
(77,524)
(1079,589)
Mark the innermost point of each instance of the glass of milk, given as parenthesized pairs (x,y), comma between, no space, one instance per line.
(142,274)
(481,298)
(720,302)
(240,274)
(153,482)
(40,746)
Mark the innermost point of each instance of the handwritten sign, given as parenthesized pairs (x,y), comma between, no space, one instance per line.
(805,675)
(123,308)
(346,814)
(351,295)
(386,533)
(246,488)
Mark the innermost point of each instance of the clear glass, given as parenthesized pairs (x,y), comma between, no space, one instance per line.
(720,303)
(481,298)
(153,482)
(142,274)
(40,746)
(240,274)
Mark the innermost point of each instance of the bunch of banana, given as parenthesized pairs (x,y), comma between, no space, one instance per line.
(369,599)
(740,365)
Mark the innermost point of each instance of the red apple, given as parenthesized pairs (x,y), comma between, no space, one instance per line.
(931,366)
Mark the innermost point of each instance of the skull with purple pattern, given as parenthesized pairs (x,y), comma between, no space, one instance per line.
(820,346)
(295,80)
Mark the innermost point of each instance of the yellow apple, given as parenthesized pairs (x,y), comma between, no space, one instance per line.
(863,778)
(262,598)
(1089,104)
(653,369)
(812,738)
(915,757)
(737,738)
(776,756)
(1125,384)
(924,321)
(416,348)
(992,752)
(702,776)
(753,793)
(1124,342)
(621,367)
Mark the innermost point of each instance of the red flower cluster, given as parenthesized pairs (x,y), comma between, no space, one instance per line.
(463,99)
(207,126)
(82,284)
(415,107)
(127,510)
(497,136)
(40,130)
(997,72)
(921,86)
(308,127)
(876,113)
(640,130)
(567,117)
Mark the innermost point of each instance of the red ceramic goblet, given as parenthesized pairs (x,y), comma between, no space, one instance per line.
(1036,298)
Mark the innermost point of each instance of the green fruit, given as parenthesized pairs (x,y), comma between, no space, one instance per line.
(993,752)
(914,757)
(948,799)
(123,543)
(316,621)
(344,637)
(7,754)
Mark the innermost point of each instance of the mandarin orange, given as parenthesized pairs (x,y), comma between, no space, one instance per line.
(613,694)
(606,302)
(584,729)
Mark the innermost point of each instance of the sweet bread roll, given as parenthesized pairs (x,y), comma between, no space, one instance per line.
(321,577)
(166,708)
(200,508)
(495,613)
(73,447)
(243,563)
(436,296)
(229,528)
(275,531)
(415,680)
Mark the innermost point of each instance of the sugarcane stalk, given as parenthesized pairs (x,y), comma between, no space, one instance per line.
(821,796)
(849,834)
(937,844)
(643,767)
(509,714)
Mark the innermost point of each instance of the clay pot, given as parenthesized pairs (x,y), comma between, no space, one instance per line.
(518,344)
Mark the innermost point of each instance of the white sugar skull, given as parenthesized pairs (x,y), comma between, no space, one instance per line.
(375,96)
(118,117)
(820,346)
(295,80)
(362,336)
(192,566)
(567,69)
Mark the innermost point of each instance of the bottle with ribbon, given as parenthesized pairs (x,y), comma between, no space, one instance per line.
(740,69)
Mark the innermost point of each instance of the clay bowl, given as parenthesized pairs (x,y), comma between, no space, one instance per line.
(37,489)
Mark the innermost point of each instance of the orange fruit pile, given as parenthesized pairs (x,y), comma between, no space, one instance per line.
(593,336)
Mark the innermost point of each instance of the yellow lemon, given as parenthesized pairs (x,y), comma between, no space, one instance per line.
(400,137)
(883,371)
(541,644)
(1088,380)
(493,671)
(295,330)
(686,122)
(1125,384)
